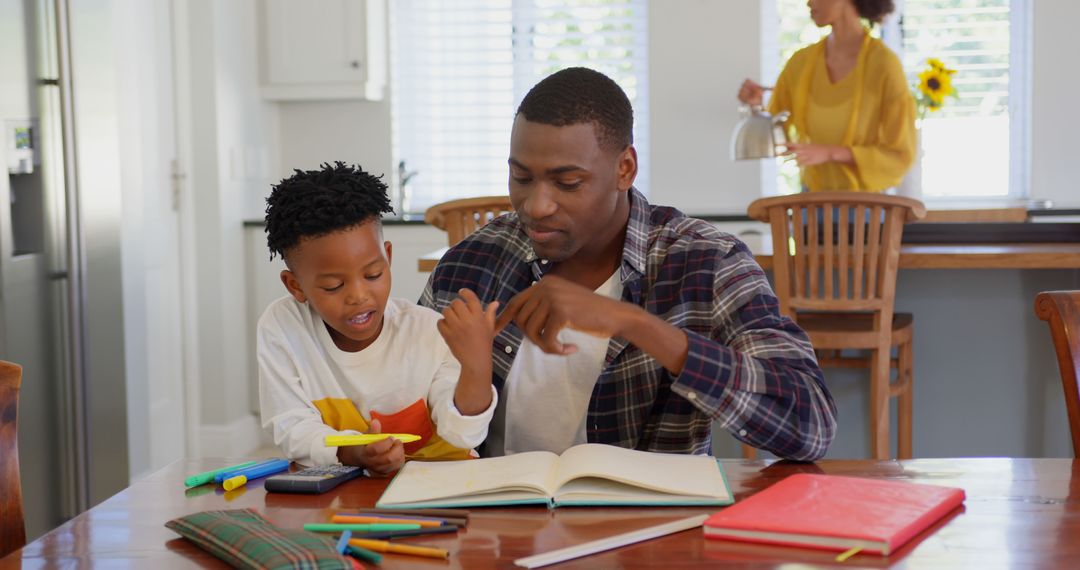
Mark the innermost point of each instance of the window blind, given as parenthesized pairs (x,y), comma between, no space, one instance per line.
(975,144)
(459,70)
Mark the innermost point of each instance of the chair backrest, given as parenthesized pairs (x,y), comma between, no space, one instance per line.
(836,251)
(12,527)
(459,218)
(1061,309)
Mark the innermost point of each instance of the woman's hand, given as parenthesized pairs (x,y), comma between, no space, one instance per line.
(751,93)
(809,154)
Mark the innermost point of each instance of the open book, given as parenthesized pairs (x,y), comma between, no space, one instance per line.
(589,474)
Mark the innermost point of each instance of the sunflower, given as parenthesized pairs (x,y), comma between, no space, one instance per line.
(935,63)
(935,84)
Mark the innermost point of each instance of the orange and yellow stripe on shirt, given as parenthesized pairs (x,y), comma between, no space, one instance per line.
(341,414)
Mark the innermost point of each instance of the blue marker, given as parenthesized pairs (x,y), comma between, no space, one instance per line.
(263,469)
(343,542)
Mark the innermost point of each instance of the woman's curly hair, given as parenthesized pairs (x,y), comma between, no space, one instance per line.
(874,10)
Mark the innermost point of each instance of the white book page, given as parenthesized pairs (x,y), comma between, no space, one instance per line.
(596,490)
(421,481)
(692,475)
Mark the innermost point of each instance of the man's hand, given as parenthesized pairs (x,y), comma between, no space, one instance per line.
(380,458)
(553,303)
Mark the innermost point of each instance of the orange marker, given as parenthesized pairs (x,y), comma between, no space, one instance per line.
(384,546)
(349,519)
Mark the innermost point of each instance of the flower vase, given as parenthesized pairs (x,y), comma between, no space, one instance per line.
(911,185)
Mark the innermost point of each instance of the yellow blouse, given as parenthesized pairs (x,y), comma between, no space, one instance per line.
(870,111)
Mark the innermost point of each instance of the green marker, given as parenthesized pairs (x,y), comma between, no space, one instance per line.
(208,476)
(365,554)
(375,527)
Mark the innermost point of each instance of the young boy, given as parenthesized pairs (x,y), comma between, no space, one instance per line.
(336,356)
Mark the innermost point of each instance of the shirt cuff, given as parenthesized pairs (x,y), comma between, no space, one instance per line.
(705,374)
(464,431)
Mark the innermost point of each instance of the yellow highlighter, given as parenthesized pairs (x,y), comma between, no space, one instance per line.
(234,482)
(366,438)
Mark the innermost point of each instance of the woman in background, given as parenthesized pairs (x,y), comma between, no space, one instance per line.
(852,114)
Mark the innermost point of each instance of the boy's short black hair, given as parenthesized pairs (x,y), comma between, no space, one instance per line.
(315,203)
(581,95)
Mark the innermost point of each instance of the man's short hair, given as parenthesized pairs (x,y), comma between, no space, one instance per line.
(315,203)
(580,95)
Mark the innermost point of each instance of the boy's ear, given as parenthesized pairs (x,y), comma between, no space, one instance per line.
(293,286)
(389,247)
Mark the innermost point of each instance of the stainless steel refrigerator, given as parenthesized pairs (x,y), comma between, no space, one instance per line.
(60,290)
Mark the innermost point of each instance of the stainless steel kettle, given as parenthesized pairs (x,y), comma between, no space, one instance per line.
(758,134)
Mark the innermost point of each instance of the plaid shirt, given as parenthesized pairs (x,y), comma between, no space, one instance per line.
(748,368)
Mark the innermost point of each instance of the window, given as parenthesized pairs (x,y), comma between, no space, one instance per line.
(459,70)
(976,146)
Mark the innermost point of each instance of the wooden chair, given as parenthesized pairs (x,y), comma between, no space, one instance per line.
(459,218)
(1061,309)
(12,527)
(835,257)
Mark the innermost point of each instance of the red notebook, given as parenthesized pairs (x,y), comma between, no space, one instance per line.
(836,513)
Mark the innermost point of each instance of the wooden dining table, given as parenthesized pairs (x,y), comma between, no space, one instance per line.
(1018,513)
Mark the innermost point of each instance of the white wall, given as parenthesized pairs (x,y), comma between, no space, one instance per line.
(233,134)
(699,53)
(325,131)
(1055,171)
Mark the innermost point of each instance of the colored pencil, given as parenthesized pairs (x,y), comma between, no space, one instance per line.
(408,517)
(347,519)
(388,535)
(384,546)
(434,513)
(321,527)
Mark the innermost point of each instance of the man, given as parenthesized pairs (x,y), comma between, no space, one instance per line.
(624,323)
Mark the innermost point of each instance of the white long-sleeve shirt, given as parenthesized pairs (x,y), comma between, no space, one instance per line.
(309,388)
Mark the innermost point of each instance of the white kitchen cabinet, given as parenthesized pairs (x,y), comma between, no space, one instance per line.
(330,49)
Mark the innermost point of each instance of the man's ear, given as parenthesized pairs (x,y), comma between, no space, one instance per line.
(389,247)
(628,167)
(292,285)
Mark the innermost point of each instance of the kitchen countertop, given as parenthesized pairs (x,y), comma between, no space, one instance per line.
(1035,211)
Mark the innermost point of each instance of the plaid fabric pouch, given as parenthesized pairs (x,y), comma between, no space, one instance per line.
(244,539)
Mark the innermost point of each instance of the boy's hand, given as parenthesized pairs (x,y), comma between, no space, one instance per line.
(469,330)
(379,458)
